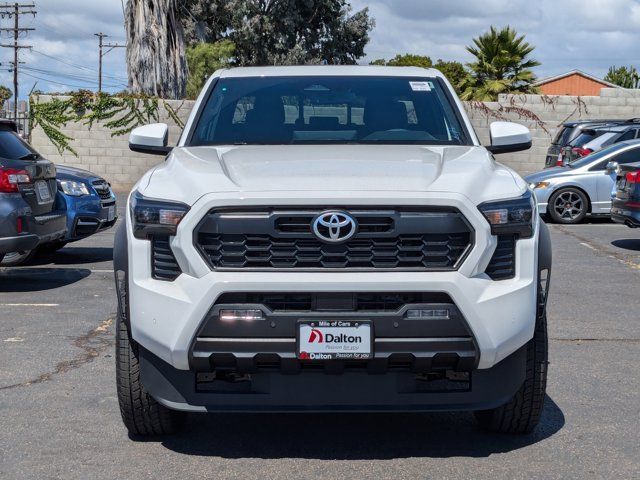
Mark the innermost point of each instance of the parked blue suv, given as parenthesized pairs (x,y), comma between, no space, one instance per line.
(90,205)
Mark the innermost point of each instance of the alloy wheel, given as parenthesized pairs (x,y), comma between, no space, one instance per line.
(568,205)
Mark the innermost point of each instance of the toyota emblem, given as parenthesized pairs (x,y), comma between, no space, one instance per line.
(334,227)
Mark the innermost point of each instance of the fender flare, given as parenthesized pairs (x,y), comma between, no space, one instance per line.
(545,259)
(545,256)
(121,270)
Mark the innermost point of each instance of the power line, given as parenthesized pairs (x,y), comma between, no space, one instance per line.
(57,83)
(72,76)
(101,54)
(75,65)
(15,10)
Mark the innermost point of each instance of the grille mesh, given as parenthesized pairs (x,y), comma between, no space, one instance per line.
(503,262)
(164,265)
(427,251)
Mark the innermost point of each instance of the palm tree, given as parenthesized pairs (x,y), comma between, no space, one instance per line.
(501,66)
(155,48)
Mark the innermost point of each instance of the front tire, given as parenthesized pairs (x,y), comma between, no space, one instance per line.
(141,413)
(522,413)
(568,206)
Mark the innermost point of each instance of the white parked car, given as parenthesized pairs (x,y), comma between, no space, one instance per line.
(331,239)
(583,187)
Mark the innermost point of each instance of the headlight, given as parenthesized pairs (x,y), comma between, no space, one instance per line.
(74,189)
(155,217)
(513,216)
(539,185)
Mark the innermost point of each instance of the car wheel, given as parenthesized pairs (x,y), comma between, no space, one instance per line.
(568,205)
(13,259)
(522,413)
(51,247)
(141,413)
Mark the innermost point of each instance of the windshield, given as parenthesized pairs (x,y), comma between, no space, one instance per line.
(328,109)
(594,157)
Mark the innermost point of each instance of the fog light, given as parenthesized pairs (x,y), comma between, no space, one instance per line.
(428,314)
(240,315)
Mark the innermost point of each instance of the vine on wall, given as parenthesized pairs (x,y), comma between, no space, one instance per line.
(119,113)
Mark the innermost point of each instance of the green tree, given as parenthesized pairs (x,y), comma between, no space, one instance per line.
(205,58)
(5,94)
(410,60)
(454,71)
(502,65)
(205,20)
(626,77)
(269,32)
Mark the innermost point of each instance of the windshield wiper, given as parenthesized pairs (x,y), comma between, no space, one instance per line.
(30,156)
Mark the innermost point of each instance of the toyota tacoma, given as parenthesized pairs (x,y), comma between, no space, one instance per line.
(331,238)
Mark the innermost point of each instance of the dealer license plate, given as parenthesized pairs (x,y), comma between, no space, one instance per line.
(42,191)
(334,339)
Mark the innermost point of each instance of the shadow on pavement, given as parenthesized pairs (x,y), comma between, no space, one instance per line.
(351,436)
(74,256)
(628,244)
(21,279)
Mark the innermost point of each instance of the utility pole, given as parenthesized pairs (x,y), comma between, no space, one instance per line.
(15,10)
(101,54)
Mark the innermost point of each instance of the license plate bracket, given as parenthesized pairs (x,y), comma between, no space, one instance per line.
(42,192)
(334,340)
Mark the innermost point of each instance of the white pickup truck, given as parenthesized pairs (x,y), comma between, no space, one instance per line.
(331,239)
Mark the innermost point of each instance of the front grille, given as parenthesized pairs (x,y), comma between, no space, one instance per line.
(102,189)
(503,262)
(333,301)
(403,238)
(164,265)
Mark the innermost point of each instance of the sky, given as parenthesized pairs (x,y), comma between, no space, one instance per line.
(588,35)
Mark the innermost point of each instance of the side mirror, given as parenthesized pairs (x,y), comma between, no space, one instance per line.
(150,138)
(611,167)
(508,137)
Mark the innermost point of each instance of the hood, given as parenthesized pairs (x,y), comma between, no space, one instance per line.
(70,173)
(548,173)
(191,172)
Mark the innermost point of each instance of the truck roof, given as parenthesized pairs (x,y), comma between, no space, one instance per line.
(330,70)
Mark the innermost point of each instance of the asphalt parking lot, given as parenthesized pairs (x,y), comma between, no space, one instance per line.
(59,414)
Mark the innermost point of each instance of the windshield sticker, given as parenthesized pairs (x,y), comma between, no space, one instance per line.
(420,86)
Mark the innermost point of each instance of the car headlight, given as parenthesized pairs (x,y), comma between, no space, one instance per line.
(72,188)
(539,185)
(513,216)
(155,217)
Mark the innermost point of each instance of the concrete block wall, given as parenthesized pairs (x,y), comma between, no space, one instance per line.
(106,155)
(110,156)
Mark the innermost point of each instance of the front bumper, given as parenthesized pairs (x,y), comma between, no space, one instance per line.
(318,391)
(89,214)
(166,316)
(542,199)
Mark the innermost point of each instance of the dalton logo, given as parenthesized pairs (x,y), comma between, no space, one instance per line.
(316,336)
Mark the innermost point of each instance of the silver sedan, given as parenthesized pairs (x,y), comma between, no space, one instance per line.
(567,194)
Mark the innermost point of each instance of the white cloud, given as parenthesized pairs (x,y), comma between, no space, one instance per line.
(64,30)
(587,34)
(590,35)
